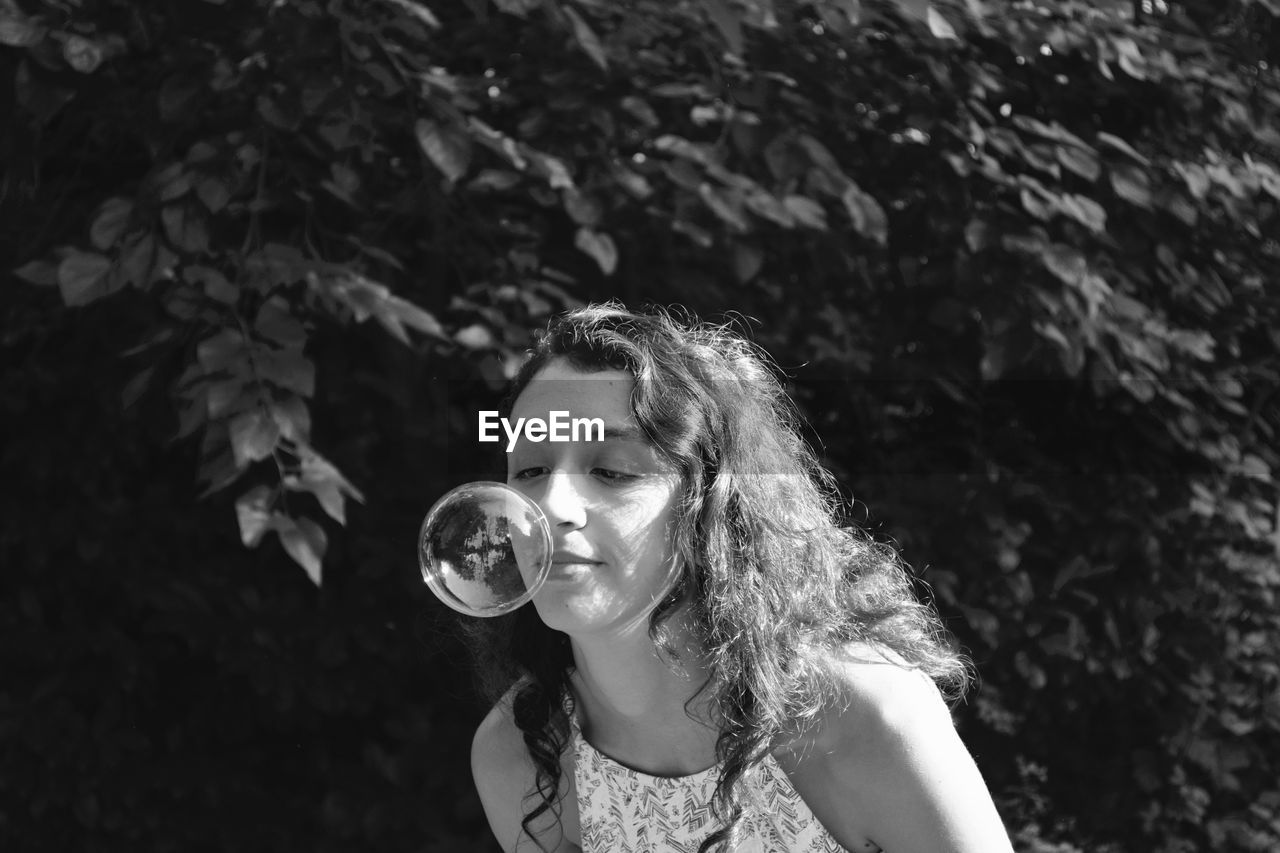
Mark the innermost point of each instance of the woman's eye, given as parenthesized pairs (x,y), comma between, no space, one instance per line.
(612,476)
(526,474)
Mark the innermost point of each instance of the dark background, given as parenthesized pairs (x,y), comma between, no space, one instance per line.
(268,260)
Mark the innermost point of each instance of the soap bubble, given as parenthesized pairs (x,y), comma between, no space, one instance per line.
(484,549)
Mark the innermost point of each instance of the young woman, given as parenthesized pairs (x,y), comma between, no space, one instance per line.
(712,664)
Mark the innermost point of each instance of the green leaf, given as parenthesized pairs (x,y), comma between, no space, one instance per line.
(221,351)
(497,180)
(519,8)
(551,169)
(699,235)
(767,206)
(1131,184)
(217,471)
(185,228)
(82,278)
(679,146)
(918,9)
(1176,203)
(1080,161)
(213,193)
(138,260)
(213,283)
(852,9)
(994,357)
(136,387)
(82,54)
(747,261)
(176,94)
(636,185)
(170,183)
(983,621)
(726,204)
(193,413)
(1129,58)
(1196,177)
(806,211)
(1040,156)
(418,11)
(640,110)
(288,369)
(378,254)
(782,156)
(1255,467)
(18,30)
(254,436)
(109,225)
(253,515)
(276,324)
(1117,144)
(475,337)
(414,317)
(977,235)
(319,477)
(727,20)
(582,208)
(684,174)
(1036,204)
(499,143)
(599,246)
(1084,210)
(1071,352)
(448,150)
(330,498)
(1052,131)
(940,26)
(868,216)
(1029,243)
(1078,568)
(294,419)
(305,542)
(1067,263)
(281,109)
(842,15)
(276,264)
(586,38)
(42,273)
(819,154)
(223,398)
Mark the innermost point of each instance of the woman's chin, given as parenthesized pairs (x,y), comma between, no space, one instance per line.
(579,609)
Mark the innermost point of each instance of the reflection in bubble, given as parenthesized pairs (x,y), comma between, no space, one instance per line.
(484,549)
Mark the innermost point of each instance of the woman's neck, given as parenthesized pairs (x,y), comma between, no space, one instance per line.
(635,703)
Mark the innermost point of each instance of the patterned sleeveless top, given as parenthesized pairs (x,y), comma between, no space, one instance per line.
(621,810)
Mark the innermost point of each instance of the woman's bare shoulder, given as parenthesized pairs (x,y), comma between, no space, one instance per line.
(506,780)
(878,694)
(498,742)
(882,763)
(874,702)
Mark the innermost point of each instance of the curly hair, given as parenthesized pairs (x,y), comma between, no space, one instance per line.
(774,587)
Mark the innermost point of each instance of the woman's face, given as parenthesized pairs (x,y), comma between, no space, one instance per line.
(609,503)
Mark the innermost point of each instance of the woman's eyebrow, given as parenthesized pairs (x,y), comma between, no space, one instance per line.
(624,432)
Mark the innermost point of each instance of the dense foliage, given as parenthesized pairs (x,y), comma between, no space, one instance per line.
(1018,257)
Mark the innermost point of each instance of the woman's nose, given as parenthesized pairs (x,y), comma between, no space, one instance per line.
(563,502)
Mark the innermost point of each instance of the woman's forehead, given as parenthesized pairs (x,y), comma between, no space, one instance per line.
(560,386)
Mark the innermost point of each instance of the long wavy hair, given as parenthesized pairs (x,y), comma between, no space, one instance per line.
(774,587)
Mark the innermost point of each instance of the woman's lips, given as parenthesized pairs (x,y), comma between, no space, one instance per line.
(564,558)
(570,566)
